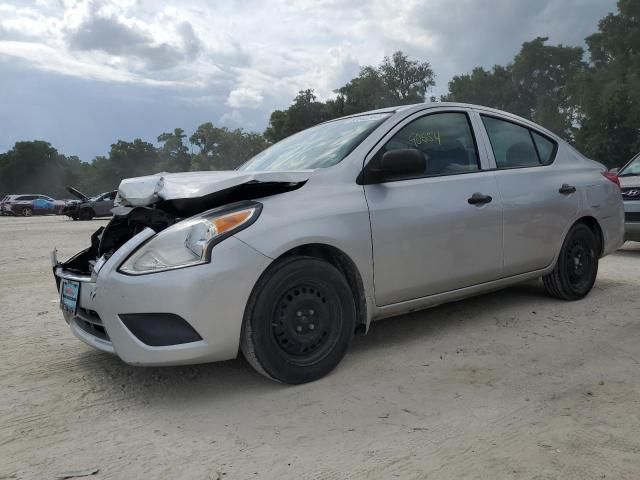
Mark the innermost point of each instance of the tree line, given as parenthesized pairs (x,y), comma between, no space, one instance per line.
(591,99)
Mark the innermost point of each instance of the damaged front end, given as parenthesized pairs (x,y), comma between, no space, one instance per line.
(158,202)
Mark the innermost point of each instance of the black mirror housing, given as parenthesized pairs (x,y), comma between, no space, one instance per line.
(394,165)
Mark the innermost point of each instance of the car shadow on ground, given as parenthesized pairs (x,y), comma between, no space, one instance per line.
(205,382)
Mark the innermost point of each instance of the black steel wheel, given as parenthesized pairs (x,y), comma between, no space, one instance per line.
(577,266)
(299,321)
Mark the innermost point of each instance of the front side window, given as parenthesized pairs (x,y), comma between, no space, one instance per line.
(321,146)
(445,140)
(515,146)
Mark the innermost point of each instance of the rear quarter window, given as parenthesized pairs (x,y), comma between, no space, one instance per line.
(546,148)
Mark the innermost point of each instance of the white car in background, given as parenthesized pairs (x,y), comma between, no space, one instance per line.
(629,176)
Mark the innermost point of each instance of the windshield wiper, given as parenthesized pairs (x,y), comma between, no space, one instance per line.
(629,175)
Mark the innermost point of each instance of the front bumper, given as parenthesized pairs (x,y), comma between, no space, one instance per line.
(211,298)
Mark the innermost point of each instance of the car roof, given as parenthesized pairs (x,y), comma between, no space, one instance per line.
(416,107)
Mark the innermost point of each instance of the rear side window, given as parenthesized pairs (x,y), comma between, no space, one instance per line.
(516,146)
(545,148)
(445,139)
(26,197)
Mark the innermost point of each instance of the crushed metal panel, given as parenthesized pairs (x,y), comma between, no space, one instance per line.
(142,191)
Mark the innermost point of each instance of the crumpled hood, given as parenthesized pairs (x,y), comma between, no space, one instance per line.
(143,191)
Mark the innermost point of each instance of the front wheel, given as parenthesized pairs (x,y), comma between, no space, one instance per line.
(299,321)
(86,214)
(577,266)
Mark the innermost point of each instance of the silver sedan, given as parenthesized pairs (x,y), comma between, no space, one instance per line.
(351,221)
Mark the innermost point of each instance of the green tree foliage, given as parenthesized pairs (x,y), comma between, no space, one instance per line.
(37,167)
(406,80)
(224,149)
(396,81)
(537,85)
(174,154)
(609,92)
(304,112)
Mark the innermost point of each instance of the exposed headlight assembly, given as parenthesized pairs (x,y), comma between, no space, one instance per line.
(190,241)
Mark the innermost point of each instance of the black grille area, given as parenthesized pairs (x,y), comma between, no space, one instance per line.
(632,217)
(90,322)
(160,329)
(95,330)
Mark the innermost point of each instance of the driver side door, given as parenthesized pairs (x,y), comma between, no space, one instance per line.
(429,234)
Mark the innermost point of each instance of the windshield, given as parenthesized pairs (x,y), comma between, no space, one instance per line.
(317,147)
(632,168)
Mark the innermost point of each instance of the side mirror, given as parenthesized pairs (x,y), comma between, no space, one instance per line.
(405,162)
(614,170)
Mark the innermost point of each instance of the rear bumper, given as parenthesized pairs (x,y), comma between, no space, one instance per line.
(210,298)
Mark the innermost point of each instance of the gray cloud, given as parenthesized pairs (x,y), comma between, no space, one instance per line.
(85,73)
(471,33)
(110,35)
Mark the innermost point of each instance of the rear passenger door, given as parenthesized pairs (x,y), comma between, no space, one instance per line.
(536,212)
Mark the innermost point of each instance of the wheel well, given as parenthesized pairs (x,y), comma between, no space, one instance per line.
(344,264)
(594,226)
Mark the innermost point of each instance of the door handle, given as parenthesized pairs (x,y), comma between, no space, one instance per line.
(567,189)
(479,199)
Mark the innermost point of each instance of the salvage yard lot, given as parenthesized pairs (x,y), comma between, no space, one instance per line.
(508,385)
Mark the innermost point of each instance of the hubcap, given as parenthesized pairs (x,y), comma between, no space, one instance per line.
(579,264)
(303,321)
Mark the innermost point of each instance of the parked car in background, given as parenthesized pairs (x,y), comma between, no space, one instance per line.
(27,205)
(87,208)
(354,220)
(629,176)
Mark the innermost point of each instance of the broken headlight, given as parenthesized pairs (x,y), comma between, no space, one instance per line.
(189,242)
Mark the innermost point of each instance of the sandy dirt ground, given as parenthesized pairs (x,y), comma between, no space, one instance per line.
(511,385)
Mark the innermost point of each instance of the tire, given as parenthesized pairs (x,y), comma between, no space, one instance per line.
(577,266)
(299,321)
(86,214)
(27,212)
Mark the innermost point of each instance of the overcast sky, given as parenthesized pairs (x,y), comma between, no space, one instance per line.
(82,74)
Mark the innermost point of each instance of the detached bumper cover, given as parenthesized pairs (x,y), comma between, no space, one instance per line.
(209,298)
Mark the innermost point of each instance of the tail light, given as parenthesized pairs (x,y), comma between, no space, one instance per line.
(611,177)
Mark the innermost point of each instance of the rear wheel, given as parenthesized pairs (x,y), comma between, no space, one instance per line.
(577,266)
(299,321)
(27,211)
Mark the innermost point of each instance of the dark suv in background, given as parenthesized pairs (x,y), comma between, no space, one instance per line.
(88,208)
